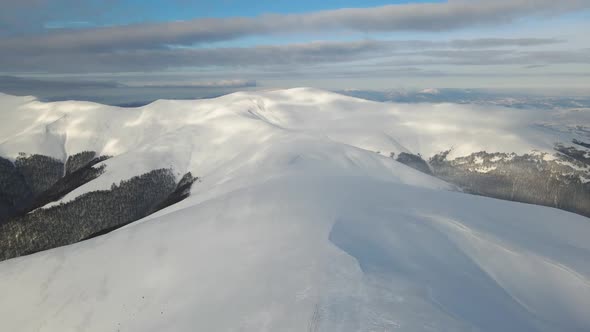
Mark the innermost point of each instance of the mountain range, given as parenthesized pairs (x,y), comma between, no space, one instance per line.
(293,210)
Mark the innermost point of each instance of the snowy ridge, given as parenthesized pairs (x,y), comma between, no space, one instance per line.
(298,224)
(203,135)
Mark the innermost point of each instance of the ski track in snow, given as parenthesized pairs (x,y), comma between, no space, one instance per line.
(297,224)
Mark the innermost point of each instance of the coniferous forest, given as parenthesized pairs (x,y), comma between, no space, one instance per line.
(529,178)
(33,181)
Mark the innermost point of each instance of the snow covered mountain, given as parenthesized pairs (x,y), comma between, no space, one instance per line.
(303,215)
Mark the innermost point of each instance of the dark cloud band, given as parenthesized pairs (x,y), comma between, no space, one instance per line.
(475,51)
(453,14)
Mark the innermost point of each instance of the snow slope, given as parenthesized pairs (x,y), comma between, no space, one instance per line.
(297,224)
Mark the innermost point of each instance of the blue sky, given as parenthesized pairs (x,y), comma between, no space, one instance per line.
(134,11)
(327,44)
(170,10)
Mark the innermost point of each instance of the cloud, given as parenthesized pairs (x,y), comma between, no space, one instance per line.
(488,57)
(67,24)
(13,83)
(175,45)
(453,14)
(198,84)
(22,17)
(501,42)
(308,54)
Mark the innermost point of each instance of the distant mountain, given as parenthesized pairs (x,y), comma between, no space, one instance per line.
(506,98)
(294,210)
